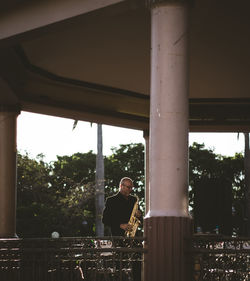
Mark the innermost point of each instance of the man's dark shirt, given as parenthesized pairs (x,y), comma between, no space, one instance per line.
(117,211)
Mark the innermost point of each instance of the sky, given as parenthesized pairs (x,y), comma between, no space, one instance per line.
(54,136)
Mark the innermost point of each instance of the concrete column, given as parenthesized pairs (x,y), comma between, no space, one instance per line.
(146,160)
(169,111)
(8,151)
(167,222)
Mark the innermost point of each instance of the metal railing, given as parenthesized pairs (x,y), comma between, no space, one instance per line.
(116,259)
(71,259)
(221,258)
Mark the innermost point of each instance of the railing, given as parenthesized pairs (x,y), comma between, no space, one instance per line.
(116,259)
(221,258)
(71,259)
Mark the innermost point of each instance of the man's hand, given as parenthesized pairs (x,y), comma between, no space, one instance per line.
(138,214)
(126,226)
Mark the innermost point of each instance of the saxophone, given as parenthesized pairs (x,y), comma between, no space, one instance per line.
(133,221)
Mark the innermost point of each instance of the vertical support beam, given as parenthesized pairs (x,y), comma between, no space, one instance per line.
(99,192)
(167,222)
(169,111)
(146,161)
(8,151)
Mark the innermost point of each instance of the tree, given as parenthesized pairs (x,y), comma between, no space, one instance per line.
(60,196)
(34,196)
(126,160)
(56,197)
(217,176)
(74,181)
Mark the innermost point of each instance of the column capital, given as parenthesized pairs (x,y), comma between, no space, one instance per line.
(10,108)
(152,3)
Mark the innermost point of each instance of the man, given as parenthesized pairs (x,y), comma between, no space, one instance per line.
(116,215)
(118,208)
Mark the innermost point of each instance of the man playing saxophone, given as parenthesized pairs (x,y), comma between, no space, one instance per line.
(119,208)
(122,216)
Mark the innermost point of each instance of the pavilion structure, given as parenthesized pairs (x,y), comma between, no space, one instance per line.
(165,67)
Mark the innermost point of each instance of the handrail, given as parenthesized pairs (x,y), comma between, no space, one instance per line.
(70,259)
(217,257)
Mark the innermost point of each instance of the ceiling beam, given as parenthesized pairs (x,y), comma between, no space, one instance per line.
(43,92)
(88,115)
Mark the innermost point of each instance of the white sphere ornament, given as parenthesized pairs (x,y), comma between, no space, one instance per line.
(55,234)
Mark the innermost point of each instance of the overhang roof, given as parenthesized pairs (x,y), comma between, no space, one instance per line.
(90,60)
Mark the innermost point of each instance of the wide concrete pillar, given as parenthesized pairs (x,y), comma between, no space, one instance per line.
(167,222)
(8,151)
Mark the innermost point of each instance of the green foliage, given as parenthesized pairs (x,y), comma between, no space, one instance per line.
(32,179)
(205,166)
(34,196)
(126,161)
(57,197)
(73,178)
(79,168)
(60,196)
(204,163)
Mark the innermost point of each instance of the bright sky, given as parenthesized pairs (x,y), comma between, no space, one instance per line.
(54,136)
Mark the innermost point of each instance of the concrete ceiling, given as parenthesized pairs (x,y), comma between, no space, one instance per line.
(90,60)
